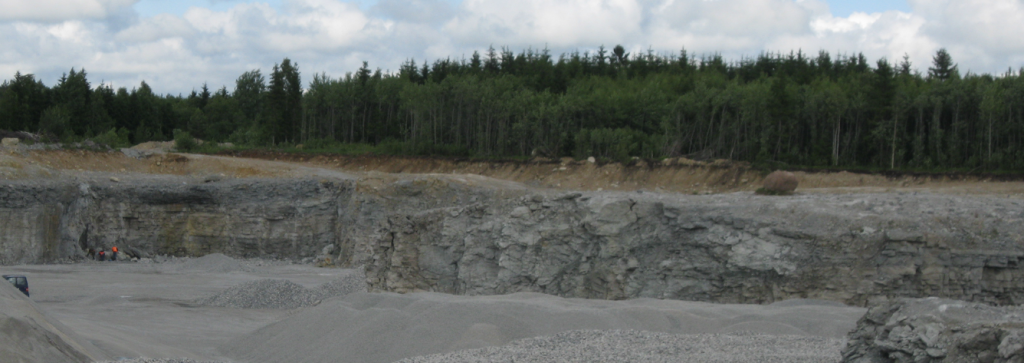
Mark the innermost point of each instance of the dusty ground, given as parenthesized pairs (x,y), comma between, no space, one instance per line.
(124,310)
(673,175)
(137,310)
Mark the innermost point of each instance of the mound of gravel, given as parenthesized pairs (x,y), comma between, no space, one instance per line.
(347,283)
(649,347)
(263,294)
(214,263)
(283,294)
(162,360)
(29,335)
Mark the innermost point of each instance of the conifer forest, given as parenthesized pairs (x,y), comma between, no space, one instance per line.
(795,109)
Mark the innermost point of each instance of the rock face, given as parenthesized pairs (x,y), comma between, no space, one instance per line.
(780,182)
(937,330)
(725,248)
(46,221)
(467,235)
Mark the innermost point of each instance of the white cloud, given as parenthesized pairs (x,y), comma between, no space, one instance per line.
(176,53)
(558,23)
(158,27)
(58,10)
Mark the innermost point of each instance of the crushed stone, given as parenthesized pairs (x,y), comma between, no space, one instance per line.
(649,347)
(214,263)
(283,294)
(161,360)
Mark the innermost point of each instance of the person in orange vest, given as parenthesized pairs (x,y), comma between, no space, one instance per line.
(113,254)
(102,256)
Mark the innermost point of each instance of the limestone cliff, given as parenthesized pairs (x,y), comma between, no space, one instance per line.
(460,235)
(48,221)
(735,248)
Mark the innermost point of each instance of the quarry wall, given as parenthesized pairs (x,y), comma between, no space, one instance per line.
(446,234)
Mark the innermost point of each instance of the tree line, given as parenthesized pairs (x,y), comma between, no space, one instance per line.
(789,109)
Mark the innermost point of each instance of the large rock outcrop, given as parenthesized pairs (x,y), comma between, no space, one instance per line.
(735,248)
(472,235)
(48,221)
(937,330)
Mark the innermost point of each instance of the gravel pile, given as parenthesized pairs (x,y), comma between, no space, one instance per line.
(263,294)
(214,263)
(162,360)
(349,282)
(642,346)
(283,294)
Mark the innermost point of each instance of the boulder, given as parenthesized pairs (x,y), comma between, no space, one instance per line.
(937,330)
(780,182)
(9,142)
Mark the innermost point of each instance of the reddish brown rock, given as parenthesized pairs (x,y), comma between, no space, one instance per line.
(780,182)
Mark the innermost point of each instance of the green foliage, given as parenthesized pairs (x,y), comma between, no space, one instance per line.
(799,110)
(115,138)
(613,144)
(56,121)
(184,142)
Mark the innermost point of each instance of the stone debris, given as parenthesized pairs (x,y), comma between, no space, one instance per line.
(282,294)
(937,330)
(162,360)
(649,347)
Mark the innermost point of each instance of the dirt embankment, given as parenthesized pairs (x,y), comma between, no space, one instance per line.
(678,175)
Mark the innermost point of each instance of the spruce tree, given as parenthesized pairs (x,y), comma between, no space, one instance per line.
(942,67)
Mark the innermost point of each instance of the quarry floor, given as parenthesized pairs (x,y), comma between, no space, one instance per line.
(125,310)
(128,310)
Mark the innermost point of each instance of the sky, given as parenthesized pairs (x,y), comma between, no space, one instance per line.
(177,45)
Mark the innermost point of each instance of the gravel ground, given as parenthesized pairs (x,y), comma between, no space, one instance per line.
(151,360)
(649,347)
(214,263)
(283,294)
(387,327)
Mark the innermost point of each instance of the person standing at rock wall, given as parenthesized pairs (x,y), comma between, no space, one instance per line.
(113,253)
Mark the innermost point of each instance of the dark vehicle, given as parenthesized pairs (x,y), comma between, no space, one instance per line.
(21,282)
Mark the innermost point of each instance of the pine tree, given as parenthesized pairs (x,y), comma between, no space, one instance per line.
(943,67)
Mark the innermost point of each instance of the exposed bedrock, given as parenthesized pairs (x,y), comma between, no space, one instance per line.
(937,330)
(471,235)
(48,221)
(734,248)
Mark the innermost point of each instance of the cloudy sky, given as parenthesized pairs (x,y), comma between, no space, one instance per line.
(176,45)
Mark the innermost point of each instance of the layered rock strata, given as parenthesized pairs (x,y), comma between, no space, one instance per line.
(48,221)
(472,235)
(734,248)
